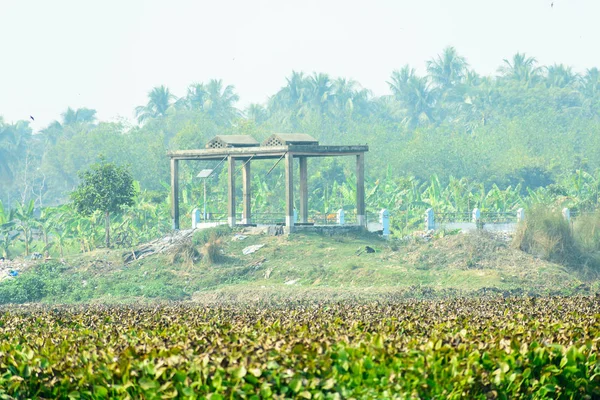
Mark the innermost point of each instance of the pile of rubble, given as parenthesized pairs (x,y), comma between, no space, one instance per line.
(161,245)
(10,269)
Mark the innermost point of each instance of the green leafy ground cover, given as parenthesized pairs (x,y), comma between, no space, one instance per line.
(495,348)
(299,266)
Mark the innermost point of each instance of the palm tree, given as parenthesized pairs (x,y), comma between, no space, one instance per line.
(320,92)
(81,115)
(521,69)
(195,97)
(590,83)
(292,96)
(219,102)
(14,139)
(560,76)
(448,69)
(159,101)
(343,93)
(6,150)
(414,95)
(257,112)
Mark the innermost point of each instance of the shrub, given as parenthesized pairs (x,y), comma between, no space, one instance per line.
(212,251)
(546,234)
(185,253)
(203,236)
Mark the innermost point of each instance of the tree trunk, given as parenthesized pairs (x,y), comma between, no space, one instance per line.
(107,228)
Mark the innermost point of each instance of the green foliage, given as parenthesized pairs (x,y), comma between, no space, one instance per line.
(494,348)
(105,187)
(547,234)
(203,236)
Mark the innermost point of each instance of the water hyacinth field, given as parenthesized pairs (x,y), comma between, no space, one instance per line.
(462,348)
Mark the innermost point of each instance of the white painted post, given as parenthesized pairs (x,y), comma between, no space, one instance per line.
(195,218)
(520,215)
(477,218)
(340,216)
(384,220)
(566,214)
(429,220)
(476,215)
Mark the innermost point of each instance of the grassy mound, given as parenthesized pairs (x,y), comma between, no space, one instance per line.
(213,266)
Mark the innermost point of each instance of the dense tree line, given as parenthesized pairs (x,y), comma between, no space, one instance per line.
(528,125)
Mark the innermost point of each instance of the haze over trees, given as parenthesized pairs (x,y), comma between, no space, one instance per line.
(528,124)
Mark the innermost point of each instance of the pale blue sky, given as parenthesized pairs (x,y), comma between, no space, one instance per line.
(108,54)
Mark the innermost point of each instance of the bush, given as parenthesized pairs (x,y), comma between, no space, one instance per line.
(203,236)
(546,234)
(212,251)
(185,253)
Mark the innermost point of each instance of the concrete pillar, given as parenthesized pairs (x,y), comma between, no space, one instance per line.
(195,218)
(520,215)
(384,220)
(175,193)
(303,189)
(340,216)
(566,214)
(289,191)
(360,190)
(429,219)
(247,194)
(476,215)
(231,191)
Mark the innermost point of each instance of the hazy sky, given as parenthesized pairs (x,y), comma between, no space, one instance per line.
(107,54)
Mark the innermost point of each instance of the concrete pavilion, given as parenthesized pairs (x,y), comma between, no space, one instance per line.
(279,146)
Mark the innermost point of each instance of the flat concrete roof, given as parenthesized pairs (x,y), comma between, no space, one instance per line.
(266,152)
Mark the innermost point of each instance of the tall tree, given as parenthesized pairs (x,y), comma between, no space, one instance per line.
(257,112)
(220,102)
(81,115)
(521,69)
(560,76)
(448,69)
(105,187)
(415,96)
(159,101)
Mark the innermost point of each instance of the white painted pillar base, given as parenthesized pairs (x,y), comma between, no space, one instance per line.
(289,221)
(231,221)
(361,220)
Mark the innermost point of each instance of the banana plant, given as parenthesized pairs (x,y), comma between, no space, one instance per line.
(25,214)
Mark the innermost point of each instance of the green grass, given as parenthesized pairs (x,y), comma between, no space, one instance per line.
(298,265)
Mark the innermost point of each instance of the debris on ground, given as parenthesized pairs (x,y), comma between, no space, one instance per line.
(366,249)
(268,273)
(292,282)
(252,249)
(238,237)
(275,230)
(160,245)
(11,269)
(258,263)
